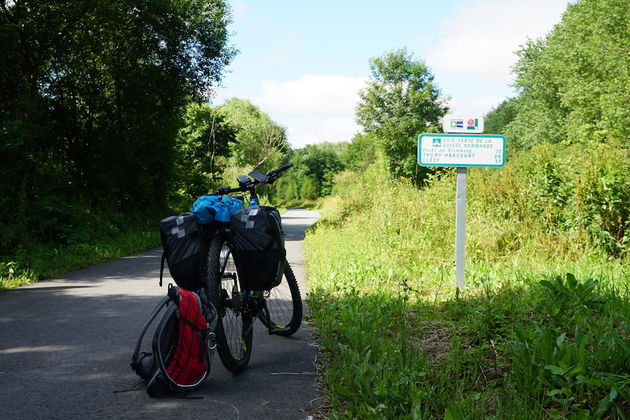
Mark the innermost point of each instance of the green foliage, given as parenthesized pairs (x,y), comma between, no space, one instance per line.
(574,199)
(576,356)
(321,162)
(202,150)
(313,173)
(525,338)
(498,118)
(90,107)
(308,190)
(45,261)
(400,102)
(261,143)
(360,153)
(574,84)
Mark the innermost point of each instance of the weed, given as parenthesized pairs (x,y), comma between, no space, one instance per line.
(526,338)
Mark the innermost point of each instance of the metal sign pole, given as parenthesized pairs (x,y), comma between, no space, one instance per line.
(460,228)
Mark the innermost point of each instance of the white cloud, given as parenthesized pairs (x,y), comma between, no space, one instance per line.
(313,107)
(474,52)
(303,131)
(480,39)
(474,103)
(311,95)
(240,10)
(471,57)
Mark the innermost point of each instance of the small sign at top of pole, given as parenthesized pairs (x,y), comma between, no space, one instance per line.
(471,124)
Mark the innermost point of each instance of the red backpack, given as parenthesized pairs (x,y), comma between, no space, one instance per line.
(180,360)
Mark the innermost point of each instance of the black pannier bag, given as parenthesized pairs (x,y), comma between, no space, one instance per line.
(258,246)
(182,244)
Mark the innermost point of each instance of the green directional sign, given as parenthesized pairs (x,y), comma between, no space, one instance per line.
(461,150)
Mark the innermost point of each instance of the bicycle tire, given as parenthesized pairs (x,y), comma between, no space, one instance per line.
(284,304)
(234,330)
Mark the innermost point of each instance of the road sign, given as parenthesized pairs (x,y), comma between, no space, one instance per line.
(461,150)
(472,124)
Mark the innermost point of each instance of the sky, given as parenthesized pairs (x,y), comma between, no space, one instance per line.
(303,63)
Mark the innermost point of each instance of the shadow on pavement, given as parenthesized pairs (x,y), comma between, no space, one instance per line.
(66,344)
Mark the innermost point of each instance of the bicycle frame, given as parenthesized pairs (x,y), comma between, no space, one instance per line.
(255,301)
(238,307)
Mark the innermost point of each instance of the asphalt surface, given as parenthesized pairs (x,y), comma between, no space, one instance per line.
(66,344)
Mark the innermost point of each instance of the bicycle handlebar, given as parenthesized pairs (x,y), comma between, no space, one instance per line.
(280,169)
(228,190)
(271,177)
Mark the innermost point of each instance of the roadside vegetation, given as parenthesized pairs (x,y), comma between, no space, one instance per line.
(92,100)
(47,260)
(105,128)
(542,330)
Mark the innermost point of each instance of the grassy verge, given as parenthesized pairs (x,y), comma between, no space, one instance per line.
(542,331)
(545,344)
(41,261)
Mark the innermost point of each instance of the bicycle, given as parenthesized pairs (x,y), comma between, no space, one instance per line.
(279,309)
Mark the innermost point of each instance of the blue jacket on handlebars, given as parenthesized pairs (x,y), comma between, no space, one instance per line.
(215,208)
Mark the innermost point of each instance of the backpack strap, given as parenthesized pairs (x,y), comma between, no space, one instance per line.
(162,267)
(135,358)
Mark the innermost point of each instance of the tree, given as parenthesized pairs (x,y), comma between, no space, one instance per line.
(321,162)
(399,102)
(203,145)
(574,85)
(310,188)
(313,172)
(260,142)
(91,93)
(360,153)
(499,117)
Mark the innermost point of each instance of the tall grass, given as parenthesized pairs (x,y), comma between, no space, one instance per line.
(542,331)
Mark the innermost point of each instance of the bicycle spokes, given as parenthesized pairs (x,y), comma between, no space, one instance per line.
(266,319)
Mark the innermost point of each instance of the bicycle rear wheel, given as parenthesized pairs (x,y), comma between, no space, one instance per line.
(284,306)
(234,330)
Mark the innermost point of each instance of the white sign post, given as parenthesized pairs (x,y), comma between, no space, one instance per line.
(461,151)
(460,228)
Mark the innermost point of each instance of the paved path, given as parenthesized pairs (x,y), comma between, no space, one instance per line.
(65,347)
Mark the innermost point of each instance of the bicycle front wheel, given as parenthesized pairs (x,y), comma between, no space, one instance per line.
(284,305)
(234,330)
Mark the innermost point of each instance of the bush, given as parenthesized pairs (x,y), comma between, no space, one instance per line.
(554,200)
(398,340)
